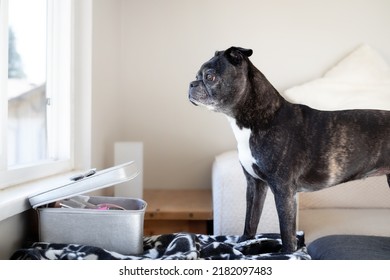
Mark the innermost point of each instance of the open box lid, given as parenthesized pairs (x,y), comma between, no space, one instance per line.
(86,183)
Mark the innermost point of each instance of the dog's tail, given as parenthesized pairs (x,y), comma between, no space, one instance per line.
(388,179)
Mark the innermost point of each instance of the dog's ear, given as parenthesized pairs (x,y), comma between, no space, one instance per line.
(236,54)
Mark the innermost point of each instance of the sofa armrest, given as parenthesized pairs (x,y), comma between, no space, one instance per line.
(229,198)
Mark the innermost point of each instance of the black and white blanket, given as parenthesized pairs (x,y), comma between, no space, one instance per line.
(177,246)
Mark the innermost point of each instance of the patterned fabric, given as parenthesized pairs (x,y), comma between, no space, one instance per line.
(178,246)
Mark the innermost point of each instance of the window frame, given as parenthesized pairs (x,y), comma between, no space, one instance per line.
(79,81)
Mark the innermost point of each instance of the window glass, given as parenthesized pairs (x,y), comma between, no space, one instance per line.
(27,102)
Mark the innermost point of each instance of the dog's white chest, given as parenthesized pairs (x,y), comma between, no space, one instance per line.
(244,151)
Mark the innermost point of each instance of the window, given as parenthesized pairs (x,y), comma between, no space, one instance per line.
(35,89)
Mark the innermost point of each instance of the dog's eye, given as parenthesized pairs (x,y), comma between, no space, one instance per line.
(210,77)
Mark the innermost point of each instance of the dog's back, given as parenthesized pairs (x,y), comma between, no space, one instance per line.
(349,145)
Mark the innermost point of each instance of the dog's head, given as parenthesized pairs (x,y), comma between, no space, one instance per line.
(222,80)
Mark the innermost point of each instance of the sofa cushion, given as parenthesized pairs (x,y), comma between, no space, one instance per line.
(359,81)
(316,223)
(371,192)
(350,247)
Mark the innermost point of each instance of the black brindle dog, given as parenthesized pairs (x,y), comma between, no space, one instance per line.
(288,147)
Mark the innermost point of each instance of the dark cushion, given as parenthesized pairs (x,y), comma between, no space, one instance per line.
(350,247)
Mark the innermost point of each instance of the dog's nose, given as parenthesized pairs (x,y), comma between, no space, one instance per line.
(194,84)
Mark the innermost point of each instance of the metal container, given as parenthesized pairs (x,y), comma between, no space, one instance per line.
(120,231)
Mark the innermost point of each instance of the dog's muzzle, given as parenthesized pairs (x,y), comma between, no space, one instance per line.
(191,94)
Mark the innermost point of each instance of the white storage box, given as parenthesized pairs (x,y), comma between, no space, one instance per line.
(119,230)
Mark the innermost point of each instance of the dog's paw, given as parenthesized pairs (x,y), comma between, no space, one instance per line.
(244,238)
(289,248)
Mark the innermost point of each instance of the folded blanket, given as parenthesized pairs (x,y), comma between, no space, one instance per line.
(177,246)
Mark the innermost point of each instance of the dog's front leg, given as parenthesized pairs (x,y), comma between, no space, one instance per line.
(287,211)
(255,195)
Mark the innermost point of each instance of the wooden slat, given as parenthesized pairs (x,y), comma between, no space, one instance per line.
(154,227)
(178,205)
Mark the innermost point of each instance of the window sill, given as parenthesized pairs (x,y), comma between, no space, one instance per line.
(14,200)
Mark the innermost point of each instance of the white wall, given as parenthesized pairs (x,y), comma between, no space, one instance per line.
(13,233)
(146,53)
(106,118)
